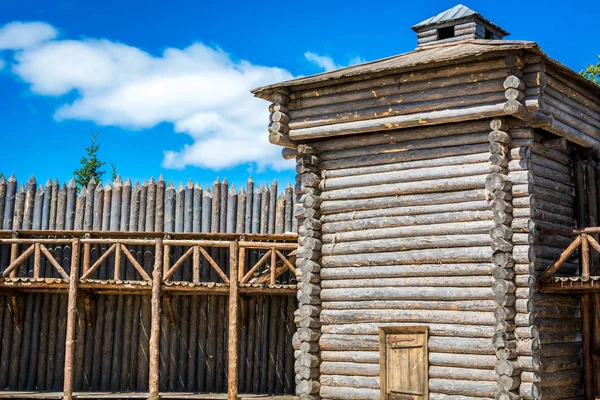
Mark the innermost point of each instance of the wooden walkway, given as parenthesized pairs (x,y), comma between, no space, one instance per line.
(104,395)
(236,277)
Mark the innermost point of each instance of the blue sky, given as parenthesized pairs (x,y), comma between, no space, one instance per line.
(147,74)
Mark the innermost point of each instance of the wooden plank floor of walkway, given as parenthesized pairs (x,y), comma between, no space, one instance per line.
(104,395)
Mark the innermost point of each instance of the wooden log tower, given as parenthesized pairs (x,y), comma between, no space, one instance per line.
(434,190)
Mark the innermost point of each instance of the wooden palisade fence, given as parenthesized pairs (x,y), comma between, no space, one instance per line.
(125,288)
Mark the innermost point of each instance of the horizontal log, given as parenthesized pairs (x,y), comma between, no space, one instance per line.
(576,106)
(350,381)
(441,396)
(450,330)
(470,281)
(397,271)
(393,108)
(555,155)
(465,305)
(410,175)
(583,127)
(426,256)
(455,141)
(456,373)
(559,349)
(348,368)
(411,204)
(408,165)
(368,357)
(573,135)
(404,221)
(337,392)
(384,158)
(410,210)
(572,90)
(410,134)
(576,391)
(475,66)
(548,163)
(337,342)
(405,188)
(462,360)
(392,97)
(406,243)
(552,365)
(358,316)
(570,113)
(400,121)
(463,387)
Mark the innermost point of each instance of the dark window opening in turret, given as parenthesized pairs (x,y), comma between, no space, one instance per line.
(488,34)
(446,33)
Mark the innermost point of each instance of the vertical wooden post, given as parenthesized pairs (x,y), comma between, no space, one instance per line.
(37,261)
(117,270)
(155,324)
(86,257)
(585,256)
(14,250)
(71,318)
(232,384)
(196,265)
(586,336)
(273,265)
(241,263)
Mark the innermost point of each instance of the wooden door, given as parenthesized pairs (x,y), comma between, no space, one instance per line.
(404,363)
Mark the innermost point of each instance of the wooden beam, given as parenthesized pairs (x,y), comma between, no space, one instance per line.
(232,377)
(585,256)
(71,318)
(153,375)
(586,337)
(16,261)
(400,121)
(563,257)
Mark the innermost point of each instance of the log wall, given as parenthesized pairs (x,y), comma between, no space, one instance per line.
(548,327)
(406,240)
(466,90)
(112,331)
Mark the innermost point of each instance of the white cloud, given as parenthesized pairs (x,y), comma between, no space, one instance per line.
(19,35)
(326,63)
(201,90)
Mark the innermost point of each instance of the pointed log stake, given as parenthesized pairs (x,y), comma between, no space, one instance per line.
(563,257)
(232,375)
(71,317)
(153,383)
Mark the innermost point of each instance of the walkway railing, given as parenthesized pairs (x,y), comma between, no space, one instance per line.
(96,264)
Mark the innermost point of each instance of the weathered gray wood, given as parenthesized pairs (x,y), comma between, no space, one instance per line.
(402,121)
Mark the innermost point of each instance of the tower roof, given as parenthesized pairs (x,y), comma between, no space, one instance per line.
(456,13)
